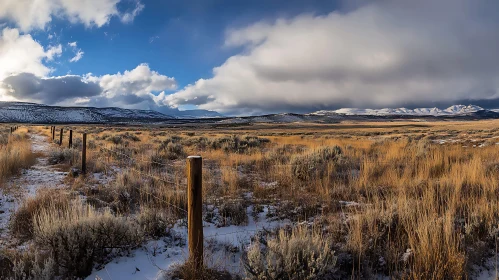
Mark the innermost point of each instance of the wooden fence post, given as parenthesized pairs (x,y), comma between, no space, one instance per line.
(60,137)
(194,210)
(70,145)
(53,134)
(84,154)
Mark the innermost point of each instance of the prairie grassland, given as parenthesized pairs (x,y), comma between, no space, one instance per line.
(15,153)
(409,200)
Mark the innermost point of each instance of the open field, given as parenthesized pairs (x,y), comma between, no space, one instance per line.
(402,200)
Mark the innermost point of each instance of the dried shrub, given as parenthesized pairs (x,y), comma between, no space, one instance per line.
(156,223)
(305,167)
(57,156)
(21,223)
(188,271)
(79,237)
(233,213)
(301,254)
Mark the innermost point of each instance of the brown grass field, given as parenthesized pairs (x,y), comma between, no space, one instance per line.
(403,200)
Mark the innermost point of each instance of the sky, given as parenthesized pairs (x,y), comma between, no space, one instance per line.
(250,57)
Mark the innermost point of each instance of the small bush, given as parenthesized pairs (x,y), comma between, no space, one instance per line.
(302,254)
(233,214)
(305,167)
(172,139)
(116,139)
(174,151)
(30,265)
(129,136)
(57,156)
(80,237)
(188,271)
(155,222)
(21,223)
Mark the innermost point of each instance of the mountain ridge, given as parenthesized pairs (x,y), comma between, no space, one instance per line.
(23,112)
(452,110)
(26,112)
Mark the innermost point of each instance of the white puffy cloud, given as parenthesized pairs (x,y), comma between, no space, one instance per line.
(36,14)
(21,53)
(138,88)
(383,53)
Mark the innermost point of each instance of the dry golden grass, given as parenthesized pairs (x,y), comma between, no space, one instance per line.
(15,153)
(396,201)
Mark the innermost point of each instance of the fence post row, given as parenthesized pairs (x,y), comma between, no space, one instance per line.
(70,145)
(84,154)
(194,210)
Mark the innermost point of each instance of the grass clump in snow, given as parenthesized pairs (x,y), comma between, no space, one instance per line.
(301,254)
(188,271)
(80,237)
(58,156)
(21,223)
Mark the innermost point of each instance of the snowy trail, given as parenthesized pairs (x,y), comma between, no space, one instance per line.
(40,175)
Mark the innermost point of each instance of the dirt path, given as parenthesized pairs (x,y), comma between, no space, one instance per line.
(40,175)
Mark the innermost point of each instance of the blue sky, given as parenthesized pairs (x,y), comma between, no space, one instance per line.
(184,39)
(250,57)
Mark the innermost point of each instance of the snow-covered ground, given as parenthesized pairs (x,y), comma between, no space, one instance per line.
(40,175)
(223,247)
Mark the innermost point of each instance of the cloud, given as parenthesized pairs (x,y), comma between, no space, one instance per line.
(21,53)
(128,17)
(78,52)
(138,88)
(78,56)
(383,53)
(52,90)
(53,51)
(135,87)
(29,15)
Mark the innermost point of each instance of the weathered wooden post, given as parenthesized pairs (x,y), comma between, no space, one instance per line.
(194,209)
(70,145)
(60,137)
(84,155)
(53,134)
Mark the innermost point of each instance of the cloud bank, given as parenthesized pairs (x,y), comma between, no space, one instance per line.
(368,54)
(132,89)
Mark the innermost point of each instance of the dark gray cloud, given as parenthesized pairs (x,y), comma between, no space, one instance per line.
(53,90)
(137,88)
(375,54)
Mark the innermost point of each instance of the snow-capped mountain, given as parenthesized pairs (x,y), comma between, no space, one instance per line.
(22,112)
(452,110)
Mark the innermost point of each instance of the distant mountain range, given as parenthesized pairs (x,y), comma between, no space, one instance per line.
(21,112)
(451,111)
